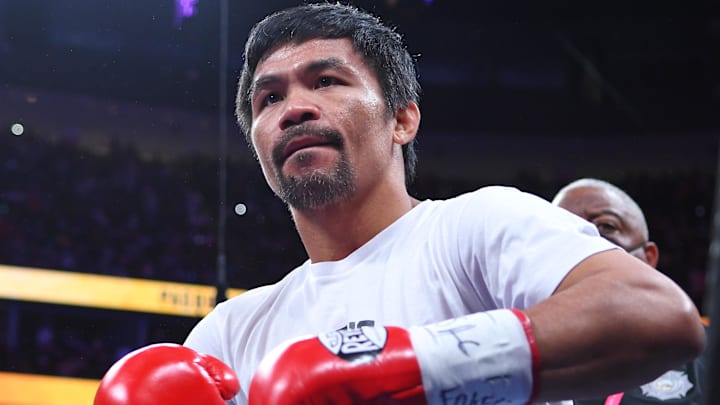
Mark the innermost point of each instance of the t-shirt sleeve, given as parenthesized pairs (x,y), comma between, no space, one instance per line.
(518,247)
(204,337)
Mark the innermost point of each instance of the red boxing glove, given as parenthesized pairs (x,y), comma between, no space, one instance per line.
(167,374)
(487,357)
(365,365)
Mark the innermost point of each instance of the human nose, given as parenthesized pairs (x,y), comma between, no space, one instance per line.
(299,108)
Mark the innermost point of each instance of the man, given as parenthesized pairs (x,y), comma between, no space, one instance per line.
(620,220)
(494,296)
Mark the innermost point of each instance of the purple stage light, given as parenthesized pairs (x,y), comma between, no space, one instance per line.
(184,9)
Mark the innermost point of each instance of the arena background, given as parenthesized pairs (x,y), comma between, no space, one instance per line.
(122,170)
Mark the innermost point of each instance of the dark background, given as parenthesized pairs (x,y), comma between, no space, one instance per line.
(511,65)
(117,170)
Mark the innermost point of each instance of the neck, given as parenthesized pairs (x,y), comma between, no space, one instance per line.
(332,232)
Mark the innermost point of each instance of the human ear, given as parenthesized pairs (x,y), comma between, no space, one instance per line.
(652,254)
(407,122)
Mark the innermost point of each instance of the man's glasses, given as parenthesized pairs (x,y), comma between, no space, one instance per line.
(630,249)
(636,247)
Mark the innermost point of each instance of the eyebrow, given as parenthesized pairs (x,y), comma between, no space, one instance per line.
(611,213)
(314,66)
(331,63)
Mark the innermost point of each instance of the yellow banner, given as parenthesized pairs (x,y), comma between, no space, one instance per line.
(107,292)
(29,389)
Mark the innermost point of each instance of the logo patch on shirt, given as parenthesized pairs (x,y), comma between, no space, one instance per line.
(360,345)
(673,384)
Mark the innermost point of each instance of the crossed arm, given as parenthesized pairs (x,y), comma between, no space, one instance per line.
(613,323)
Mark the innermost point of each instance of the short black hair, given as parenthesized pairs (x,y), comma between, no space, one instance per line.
(382,48)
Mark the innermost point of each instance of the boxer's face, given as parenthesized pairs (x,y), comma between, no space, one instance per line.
(320,126)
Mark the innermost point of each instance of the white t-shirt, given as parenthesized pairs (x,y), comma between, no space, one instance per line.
(493,248)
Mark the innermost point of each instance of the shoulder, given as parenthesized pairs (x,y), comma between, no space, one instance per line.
(243,302)
(235,312)
(223,315)
(254,299)
(507,206)
(497,197)
(258,297)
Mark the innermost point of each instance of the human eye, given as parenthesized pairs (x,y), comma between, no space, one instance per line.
(269,99)
(326,81)
(264,99)
(606,227)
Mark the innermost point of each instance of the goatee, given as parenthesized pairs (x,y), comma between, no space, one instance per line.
(317,188)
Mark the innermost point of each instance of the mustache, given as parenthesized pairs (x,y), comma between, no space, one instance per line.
(329,135)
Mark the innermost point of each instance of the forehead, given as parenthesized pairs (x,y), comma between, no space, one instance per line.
(292,56)
(586,199)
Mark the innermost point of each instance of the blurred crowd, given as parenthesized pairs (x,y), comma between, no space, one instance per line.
(63,207)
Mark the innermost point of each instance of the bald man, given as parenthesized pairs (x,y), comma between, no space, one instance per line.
(620,220)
